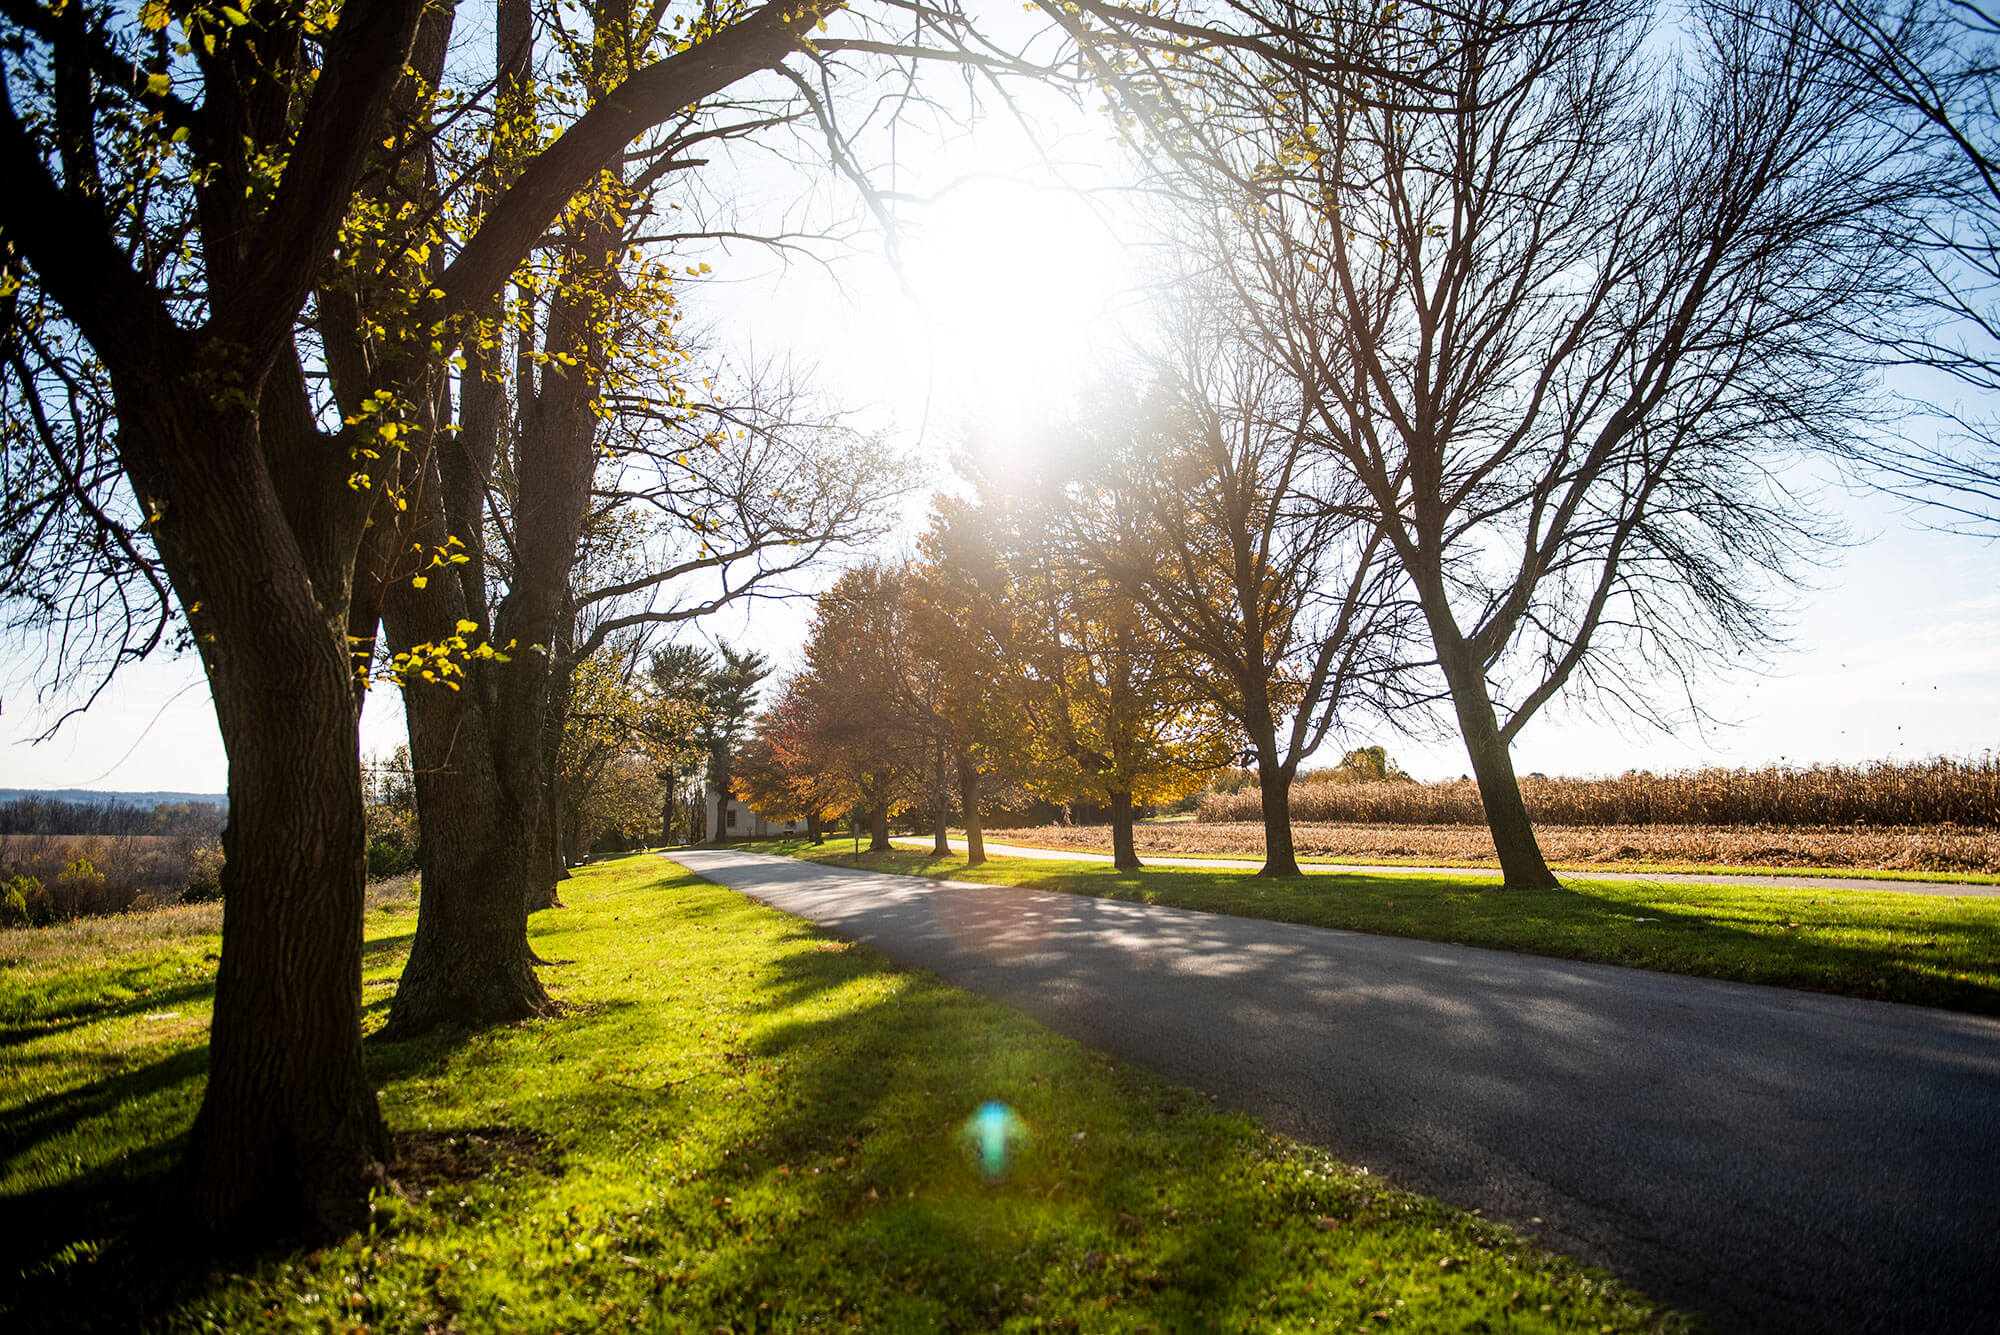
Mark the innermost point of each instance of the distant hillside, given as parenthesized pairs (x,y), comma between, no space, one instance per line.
(91,797)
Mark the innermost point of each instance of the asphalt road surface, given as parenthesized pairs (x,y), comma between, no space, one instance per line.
(1774,1160)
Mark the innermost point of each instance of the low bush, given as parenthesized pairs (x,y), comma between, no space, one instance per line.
(75,877)
(14,898)
(392,839)
(387,858)
(204,879)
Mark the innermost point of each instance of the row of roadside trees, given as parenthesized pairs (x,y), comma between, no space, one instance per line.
(341,340)
(345,344)
(1496,343)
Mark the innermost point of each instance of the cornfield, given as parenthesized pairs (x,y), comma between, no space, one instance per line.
(1924,793)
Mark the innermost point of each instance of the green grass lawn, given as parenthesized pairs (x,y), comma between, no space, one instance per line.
(1632,869)
(1928,950)
(739,1124)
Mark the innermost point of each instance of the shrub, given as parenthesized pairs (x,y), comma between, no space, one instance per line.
(15,898)
(392,840)
(387,857)
(204,878)
(76,877)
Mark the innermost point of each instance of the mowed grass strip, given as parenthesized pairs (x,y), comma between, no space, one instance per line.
(740,1124)
(1863,853)
(1928,950)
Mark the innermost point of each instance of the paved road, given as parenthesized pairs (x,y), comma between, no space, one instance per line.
(1403,869)
(1780,1161)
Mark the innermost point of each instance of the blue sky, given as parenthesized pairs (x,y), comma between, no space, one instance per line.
(1005,294)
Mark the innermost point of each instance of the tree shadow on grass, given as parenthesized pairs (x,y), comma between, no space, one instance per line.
(386,945)
(111,1246)
(1684,930)
(1697,938)
(108,1250)
(39,1119)
(843,1176)
(144,997)
(118,1248)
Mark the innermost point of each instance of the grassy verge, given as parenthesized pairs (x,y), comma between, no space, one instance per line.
(739,1125)
(1929,950)
(1632,869)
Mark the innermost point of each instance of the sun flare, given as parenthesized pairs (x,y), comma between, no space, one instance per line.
(1017,293)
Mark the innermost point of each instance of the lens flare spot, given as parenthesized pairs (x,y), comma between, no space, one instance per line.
(992,1137)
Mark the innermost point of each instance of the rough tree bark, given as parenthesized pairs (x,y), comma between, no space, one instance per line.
(470,964)
(1274,785)
(941,814)
(256,513)
(555,459)
(968,801)
(259,532)
(289,1134)
(1521,864)
(878,828)
(485,808)
(1124,853)
(553,852)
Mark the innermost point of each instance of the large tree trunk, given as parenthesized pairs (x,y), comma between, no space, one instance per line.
(470,964)
(968,801)
(878,828)
(521,759)
(1124,853)
(548,865)
(815,826)
(482,801)
(1521,863)
(570,835)
(289,1135)
(562,836)
(941,820)
(1274,793)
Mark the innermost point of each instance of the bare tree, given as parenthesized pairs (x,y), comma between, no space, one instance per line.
(79,577)
(1931,69)
(1206,502)
(1566,312)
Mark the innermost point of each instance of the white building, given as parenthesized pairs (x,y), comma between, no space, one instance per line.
(738,821)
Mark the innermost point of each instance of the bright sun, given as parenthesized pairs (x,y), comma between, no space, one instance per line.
(1014,278)
(1015,292)
(1013,284)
